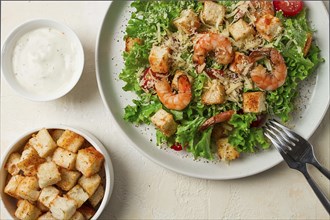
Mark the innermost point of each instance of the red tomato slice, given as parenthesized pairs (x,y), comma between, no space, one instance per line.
(289,7)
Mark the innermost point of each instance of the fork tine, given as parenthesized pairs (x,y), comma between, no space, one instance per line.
(286,157)
(283,135)
(291,134)
(277,135)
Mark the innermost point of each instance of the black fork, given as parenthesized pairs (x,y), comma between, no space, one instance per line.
(296,151)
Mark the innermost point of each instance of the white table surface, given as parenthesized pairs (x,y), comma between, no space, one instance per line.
(143,189)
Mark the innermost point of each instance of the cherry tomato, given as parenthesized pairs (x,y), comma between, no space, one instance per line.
(176,147)
(289,7)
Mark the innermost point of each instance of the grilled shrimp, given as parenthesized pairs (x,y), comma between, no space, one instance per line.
(174,101)
(268,80)
(221,117)
(213,42)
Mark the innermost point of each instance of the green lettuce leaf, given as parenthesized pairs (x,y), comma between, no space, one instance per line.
(245,138)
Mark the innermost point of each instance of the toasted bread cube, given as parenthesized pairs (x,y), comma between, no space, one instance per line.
(78,216)
(89,161)
(90,184)
(65,158)
(214,93)
(213,13)
(269,26)
(97,197)
(11,187)
(56,133)
(29,162)
(47,216)
(130,42)
(241,63)
(43,143)
(164,121)
(159,59)
(47,195)
(48,174)
(87,211)
(254,102)
(71,141)
(62,208)
(226,151)
(26,210)
(240,30)
(11,165)
(42,207)
(28,188)
(188,22)
(78,194)
(69,179)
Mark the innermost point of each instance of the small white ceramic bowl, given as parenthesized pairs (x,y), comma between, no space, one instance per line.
(8,52)
(8,203)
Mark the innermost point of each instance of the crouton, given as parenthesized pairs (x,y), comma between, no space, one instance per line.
(90,184)
(213,13)
(188,21)
(42,207)
(62,208)
(269,27)
(26,210)
(87,211)
(214,93)
(48,174)
(164,121)
(130,42)
(71,141)
(77,194)
(226,151)
(68,179)
(56,133)
(11,165)
(28,188)
(240,30)
(159,59)
(254,102)
(30,161)
(64,158)
(97,197)
(47,216)
(43,143)
(241,63)
(47,195)
(11,187)
(221,130)
(78,216)
(89,161)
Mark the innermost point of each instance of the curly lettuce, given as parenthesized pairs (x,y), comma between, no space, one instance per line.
(151,21)
(296,30)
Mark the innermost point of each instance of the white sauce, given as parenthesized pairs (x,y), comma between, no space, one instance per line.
(44,60)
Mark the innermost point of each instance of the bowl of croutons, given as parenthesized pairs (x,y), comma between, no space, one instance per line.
(55,172)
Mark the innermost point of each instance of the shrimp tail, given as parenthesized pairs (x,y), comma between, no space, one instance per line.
(218,118)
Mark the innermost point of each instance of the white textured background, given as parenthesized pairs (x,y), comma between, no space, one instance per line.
(144,190)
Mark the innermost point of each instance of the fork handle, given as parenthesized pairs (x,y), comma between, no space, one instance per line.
(323,170)
(323,199)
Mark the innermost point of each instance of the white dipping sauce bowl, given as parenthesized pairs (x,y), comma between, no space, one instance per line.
(8,203)
(8,52)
